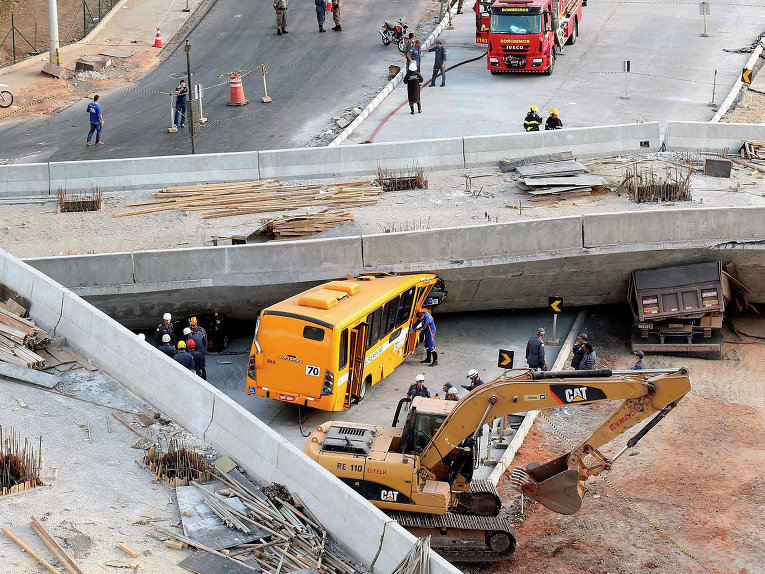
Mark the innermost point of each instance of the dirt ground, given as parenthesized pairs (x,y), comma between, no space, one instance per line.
(751,112)
(698,474)
(37,229)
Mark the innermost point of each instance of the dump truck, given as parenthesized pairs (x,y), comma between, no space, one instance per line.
(527,35)
(679,310)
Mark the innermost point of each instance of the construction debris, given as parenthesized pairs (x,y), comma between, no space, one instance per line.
(63,558)
(178,466)
(22,331)
(752,150)
(508,165)
(645,184)
(413,178)
(550,175)
(261,196)
(19,464)
(295,227)
(74,202)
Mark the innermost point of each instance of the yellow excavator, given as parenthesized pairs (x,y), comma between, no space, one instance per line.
(420,471)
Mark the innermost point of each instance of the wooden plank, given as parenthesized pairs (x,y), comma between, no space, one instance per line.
(31,552)
(64,559)
(550,168)
(12,307)
(24,375)
(49,359)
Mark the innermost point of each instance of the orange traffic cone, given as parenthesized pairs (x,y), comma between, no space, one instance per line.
(237,91)
(158,39)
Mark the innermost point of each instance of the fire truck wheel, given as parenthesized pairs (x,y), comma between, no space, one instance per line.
(494,72)
(549,70)
(574,34)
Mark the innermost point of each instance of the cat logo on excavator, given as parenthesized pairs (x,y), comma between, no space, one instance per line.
(567,394)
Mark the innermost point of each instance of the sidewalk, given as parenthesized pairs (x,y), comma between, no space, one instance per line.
(132,27)
(671,79)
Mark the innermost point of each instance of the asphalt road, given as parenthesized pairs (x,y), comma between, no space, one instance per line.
(312,76)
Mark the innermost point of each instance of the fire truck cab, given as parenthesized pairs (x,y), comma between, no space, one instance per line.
(526,35)
(482,9)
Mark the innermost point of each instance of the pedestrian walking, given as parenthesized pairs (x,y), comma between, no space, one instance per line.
(321,13)
(426,324)
(96,120)
(418,389)
(553,122)
(166,347)
(181,93)
(532,121)
(535,351)
(475,380)
(459,6)
(199,335)
(578,351)
(414,54)
(413,79)
(639,365)
(164,328)
(336,5)
(197,355)
(280,7)
(590,358)
(439,64)
(183,357)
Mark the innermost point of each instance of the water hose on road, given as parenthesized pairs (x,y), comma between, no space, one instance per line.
(425,85)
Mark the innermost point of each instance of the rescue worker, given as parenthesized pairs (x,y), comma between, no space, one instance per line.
(578,350)
(166,347)
(439,64)
(280,7)
(553,122)
(425,323)
(200,338)
(446,388)
(199,358)
(532,121)
(452,395)
(535,351)
(590,358)
(183,357)
(418,389)
(336,4)
(640,365)
(475,380)
(321,13)
(415,54)
(413,79)
(164,328)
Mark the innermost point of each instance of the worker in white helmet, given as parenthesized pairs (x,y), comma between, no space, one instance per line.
(475,380)
(164,328)
(166,347)
(418,389)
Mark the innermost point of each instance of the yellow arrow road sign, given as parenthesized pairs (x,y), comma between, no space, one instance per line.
(555,304)
(505,360)
(746,76)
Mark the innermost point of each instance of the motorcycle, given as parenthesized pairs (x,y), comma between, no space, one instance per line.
(394,33)
(6,97)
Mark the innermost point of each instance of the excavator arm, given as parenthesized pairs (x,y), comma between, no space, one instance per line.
(557,484)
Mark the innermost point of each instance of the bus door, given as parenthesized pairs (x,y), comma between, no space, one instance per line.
(358,347)
(419,299)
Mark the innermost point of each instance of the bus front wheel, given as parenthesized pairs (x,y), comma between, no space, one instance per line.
(363,390)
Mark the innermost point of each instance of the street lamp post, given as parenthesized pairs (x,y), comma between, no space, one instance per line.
(187,48)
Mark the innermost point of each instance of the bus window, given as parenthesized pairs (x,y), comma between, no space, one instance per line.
(405,307)
(343,359)
(390,312)
(313,333)
(375,322)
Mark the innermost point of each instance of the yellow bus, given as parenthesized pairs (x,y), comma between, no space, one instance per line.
(325,347)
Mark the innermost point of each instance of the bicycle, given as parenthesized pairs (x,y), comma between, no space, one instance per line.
(6,97)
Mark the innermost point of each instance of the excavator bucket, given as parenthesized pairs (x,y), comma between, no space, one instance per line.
(552,484)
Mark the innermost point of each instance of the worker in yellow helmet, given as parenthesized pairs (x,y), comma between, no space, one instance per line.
(553,122)
(532,121)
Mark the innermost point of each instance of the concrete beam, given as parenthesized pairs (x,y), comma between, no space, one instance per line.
(711,136)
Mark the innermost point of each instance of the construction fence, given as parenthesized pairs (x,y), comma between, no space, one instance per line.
(24,34)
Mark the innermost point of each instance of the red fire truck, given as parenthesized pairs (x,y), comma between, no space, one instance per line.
(526,35)
(482,9)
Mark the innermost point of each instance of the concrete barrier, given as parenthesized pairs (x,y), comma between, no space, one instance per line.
(711,136)
(676,225)
(209,413)
(483,150)
(153,172)
(24,179)
(87,270)
(361,158)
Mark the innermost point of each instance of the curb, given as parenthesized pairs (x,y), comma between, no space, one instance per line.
(389,87)
(728,101)
(46,55)
(528,420)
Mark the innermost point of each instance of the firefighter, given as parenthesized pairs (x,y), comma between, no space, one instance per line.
(184,358)
(553,122)
(199,358)
(425,323)
(164,328)
(280,6)
(166,347)
(199,335)
(532,121)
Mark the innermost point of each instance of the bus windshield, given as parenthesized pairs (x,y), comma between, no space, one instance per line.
(516,23)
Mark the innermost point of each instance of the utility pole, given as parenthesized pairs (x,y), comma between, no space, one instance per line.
(187,48)
(55,54)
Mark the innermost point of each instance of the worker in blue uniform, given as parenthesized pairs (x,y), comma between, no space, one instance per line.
(425,323)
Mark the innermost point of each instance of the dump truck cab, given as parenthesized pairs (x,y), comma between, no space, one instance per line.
(679,310)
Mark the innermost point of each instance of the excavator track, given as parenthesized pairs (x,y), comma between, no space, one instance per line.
(481,500)
(461,537)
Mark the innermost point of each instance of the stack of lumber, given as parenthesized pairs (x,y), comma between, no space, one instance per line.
(22,331)
(294,227)
(752,150)
(261,196)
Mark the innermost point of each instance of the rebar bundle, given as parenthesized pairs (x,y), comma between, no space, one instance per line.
(645,184)
(71,202)
(19,463)
(179,466)
(413,178)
